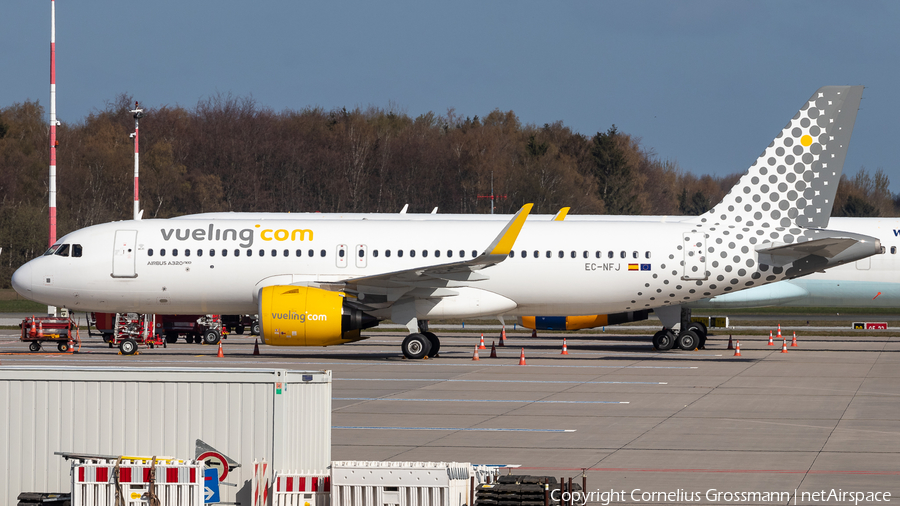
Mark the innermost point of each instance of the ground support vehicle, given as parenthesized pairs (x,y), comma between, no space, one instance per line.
(132,330)
(206,329)
(61,330)
(238,323)
(104,323)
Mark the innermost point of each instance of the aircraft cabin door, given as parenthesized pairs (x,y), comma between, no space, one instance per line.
(694,246)
(124,250)
(361,255)
(340,257)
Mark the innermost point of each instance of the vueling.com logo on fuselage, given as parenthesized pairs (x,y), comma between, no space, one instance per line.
(246,235)
(300,317)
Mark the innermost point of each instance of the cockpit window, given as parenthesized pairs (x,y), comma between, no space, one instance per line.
(76,250)
(52,249)
(63,250)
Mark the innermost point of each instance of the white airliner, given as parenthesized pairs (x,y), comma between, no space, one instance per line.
(318,282)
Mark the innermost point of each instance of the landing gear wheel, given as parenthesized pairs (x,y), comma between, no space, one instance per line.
(435,344)
(415,346)
(255,329)
(688,340)
(700,330)
(239,329)
(34,346)
(128,347)
(211,337)
(62,347)
(171,337)
(664,340)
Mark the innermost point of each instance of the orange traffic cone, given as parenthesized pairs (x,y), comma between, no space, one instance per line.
(522,357)
(482,346)
(533,332)
(475,356)
(565,349)
(770,338)
(794,340)
(783,346)
(220,354)
(493,351)
(730,344)
(737,349)
(256,346)
(33,331)
(502,336)
(779,332)
(40,329)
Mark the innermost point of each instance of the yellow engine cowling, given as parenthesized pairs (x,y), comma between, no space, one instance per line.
(305,316)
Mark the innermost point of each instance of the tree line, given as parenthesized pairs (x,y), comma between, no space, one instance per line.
(231,154)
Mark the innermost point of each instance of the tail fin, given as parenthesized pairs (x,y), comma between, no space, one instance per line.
(793,182)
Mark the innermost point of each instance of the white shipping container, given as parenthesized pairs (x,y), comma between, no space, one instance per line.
(274,414)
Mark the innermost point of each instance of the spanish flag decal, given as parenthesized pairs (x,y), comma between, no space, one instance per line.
(633,267)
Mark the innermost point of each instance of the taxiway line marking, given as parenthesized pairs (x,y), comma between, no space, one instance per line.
(465,429)
(510,381)
(473,400)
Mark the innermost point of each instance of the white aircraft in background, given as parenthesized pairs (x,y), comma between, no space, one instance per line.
(318,282)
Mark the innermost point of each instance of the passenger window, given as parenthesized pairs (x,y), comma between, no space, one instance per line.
(561,254)
(212,252)
(512,254)
(449,253)
(237,252)
(375,253)
(187,252)
(311,253)
(199,252)
(893,250)
(585,254)
(537,254)
(424,253)
(647,254)
(623,254)
(262,252)
(412,253)
(162,252)
(474,253)
(362,253)
(286,253)
(150,252)
(549,254)
(224,252)
(387,253)
(610,254)
(462,254)
(322,253)
(249,252)
(400,253)
(635,254)
(437,253)
(274,253)
(573,254)
(174,252)
(63,250)
(598,255)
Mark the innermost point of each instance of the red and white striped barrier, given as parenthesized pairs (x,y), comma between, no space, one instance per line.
(97,482)
(259,483)
(297,489)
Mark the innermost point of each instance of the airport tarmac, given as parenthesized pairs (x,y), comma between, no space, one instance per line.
(823,417)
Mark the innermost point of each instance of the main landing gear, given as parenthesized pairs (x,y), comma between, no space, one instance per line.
(421,344)
(691,337)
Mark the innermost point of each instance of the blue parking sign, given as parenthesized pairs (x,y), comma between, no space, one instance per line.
(210,486)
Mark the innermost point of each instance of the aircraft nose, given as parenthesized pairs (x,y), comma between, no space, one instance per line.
(21,280)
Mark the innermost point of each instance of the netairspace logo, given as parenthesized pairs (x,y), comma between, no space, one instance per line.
(714,496)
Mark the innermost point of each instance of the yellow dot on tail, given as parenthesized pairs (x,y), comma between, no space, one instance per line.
(806,140)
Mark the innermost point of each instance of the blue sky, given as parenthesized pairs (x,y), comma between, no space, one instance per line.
(705,83)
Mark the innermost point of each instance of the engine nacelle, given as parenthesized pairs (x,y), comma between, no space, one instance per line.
(581,322)
(306,316)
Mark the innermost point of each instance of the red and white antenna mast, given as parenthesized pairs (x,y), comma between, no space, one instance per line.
(53,122)
(138,114)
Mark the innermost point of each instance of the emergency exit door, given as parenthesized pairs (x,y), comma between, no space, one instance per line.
(124,254)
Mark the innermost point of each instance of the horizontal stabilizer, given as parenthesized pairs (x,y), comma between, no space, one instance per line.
(784,254)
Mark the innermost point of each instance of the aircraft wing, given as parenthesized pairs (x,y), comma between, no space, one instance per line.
(391,285)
